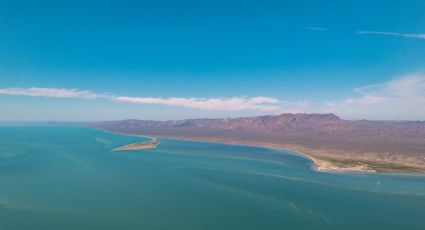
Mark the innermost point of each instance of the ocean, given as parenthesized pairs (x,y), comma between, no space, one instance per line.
(67,177)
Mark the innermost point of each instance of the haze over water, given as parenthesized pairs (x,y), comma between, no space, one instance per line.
(67,177)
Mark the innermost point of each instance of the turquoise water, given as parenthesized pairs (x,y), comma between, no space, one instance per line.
(67,177)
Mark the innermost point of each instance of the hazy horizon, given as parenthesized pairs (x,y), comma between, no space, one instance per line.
(188,118)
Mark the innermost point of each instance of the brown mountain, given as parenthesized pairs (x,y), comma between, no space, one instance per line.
(380,145)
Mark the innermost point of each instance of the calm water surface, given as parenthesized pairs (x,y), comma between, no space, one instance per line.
(67,177)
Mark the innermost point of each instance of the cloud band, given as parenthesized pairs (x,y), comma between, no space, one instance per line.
(229,104)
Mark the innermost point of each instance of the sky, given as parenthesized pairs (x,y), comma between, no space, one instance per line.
(110,60)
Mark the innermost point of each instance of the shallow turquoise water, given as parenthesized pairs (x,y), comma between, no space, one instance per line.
(67,177)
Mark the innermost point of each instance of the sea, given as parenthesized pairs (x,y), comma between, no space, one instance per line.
(61,176)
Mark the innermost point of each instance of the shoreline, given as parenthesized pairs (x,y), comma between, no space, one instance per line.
(153,140)
(320,163)
(139,145)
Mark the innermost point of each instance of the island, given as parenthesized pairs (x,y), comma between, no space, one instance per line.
(139,145)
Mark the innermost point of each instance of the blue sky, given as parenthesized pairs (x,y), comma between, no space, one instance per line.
(102,60)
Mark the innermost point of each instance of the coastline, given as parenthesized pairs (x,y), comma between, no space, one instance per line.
(139,146)
(321,162)
(318,164)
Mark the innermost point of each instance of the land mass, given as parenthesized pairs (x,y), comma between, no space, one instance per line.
(334,144)
(139,145)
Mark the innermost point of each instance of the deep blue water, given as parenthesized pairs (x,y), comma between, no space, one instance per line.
(67,177)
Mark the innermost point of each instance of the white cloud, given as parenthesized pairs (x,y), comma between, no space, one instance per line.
(225,104)
(419,36)
(401,98)
(229,104)
(50,92)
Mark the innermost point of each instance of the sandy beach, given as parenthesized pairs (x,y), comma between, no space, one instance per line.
(139,145)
